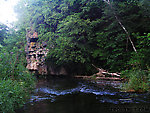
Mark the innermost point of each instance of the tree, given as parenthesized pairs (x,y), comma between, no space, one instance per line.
(123,27)
(87,31)
(3,33)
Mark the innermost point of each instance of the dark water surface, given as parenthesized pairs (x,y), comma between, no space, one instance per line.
(68,95)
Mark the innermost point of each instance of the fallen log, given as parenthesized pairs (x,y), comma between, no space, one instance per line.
(102,72)
(109,78)
(100,78)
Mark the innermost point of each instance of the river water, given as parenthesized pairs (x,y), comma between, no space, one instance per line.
(69,95)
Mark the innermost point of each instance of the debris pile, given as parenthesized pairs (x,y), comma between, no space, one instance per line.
(105,75)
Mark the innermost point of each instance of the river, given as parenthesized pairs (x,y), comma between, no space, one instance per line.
(69,95)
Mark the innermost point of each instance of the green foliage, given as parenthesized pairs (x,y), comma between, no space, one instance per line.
(74,30)
(3,33)
(138,81)
(145,5)
(13,94)
(72,33)
(141,60)
(16,83)
(86,32)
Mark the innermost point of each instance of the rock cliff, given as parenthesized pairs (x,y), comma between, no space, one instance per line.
(36,53)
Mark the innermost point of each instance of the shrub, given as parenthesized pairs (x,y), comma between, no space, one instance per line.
(13,94)
(138,80)
(16,83)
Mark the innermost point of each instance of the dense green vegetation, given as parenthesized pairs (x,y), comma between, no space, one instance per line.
(16,82)
(138,80)
(78,33)
(84,32)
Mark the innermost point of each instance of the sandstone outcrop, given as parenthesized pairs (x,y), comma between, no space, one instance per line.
(35,53)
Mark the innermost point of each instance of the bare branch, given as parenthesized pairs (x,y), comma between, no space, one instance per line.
(122,26)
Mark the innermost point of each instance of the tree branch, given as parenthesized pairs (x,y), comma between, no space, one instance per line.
(122,26)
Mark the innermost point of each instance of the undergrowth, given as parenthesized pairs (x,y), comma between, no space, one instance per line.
(137,80)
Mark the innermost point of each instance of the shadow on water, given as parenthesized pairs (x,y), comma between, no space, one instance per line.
(67,95)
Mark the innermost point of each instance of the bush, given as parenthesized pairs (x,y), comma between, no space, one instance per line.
(16,83)
(138,80)
(13,94)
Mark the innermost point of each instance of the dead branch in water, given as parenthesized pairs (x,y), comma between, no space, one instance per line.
(102,72)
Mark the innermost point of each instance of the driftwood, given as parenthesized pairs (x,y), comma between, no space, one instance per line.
(109,78)
(99,78)
(103,72)
(101,75)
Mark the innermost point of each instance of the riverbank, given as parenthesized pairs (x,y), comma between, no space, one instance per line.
(123,83)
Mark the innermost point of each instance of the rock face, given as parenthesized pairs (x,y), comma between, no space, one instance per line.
(35,53)
(56,70)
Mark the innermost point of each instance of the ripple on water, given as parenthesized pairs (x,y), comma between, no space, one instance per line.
(101,94)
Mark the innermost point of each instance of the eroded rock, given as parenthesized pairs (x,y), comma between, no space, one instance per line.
(35,53)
